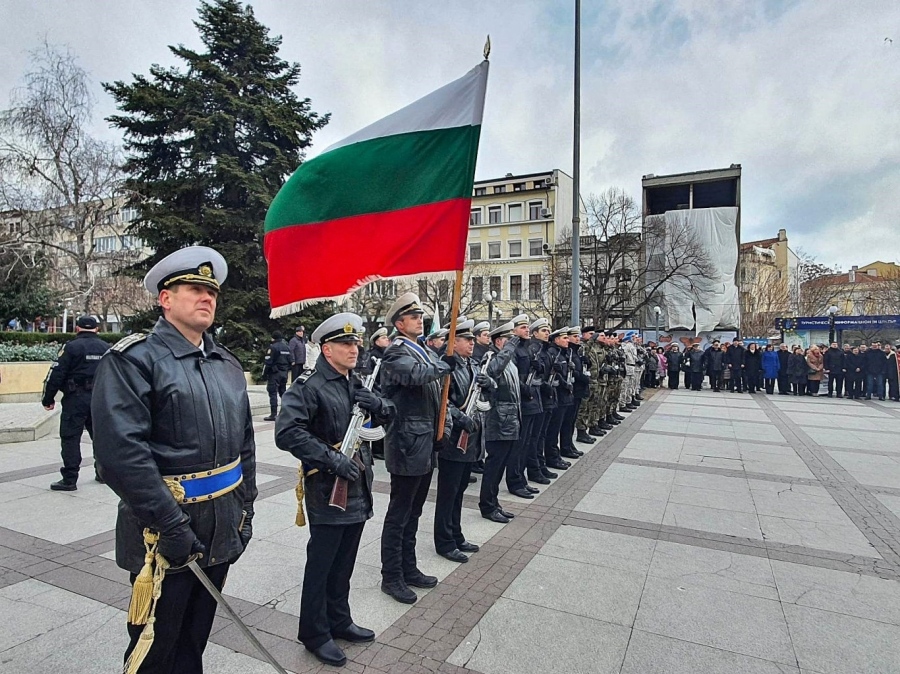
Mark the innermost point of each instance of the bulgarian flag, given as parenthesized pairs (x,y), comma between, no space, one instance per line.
(392,200)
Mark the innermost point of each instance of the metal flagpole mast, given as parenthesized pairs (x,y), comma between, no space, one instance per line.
(576,177)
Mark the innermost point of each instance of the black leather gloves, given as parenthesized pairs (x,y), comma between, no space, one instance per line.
(451,361)
(367,400)
(345,468)
(179,543)
(483,380)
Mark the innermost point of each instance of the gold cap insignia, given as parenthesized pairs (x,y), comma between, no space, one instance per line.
(205,270)
(348,329)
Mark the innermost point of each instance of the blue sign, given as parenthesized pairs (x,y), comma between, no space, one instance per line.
(840,323)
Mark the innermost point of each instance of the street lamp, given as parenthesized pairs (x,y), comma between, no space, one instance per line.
(489,298)
(657,311)
(832,310)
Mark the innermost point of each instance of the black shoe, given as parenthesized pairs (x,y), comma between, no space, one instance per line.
(549,474)
(472,479)
(465,546)
(354,634)
(532,490)
(399,591)
(495,516)
(539,479)
(522,493)
(62,485)
(454,556)
(419,579)
(839,395)
(99,479)
(568,454)
(627,409)
(881,397)
(557,465)
(271,417)
(329,653)
(378,456)
(639,397)
(583,436)
(508,515)
(478,470)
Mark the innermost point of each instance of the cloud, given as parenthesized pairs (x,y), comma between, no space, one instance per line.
(802,94)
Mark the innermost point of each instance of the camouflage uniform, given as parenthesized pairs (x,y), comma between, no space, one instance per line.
(589,409)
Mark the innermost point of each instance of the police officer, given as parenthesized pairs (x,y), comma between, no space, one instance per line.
(174,440)
(315,415)
(411,378)
(275,371)
(73,374)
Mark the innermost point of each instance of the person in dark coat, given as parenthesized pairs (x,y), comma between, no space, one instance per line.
(797,370)
(411,378)
(892,374)
(715,365)
(454,458)
(277,364)
(854,367)
(843,387)
(695,362)
(73,374)
(734,361)
(482,332)
(297,346)
(784,377)
(315,415)
(833,362)
(529,369)
(558,380)
(170,409)
(770,365)
(540,354)
(753,368)
(875,369)
(580,389)
(673,362)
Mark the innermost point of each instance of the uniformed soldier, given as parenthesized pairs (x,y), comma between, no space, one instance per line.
(588,408)
(482,332)
(502,422)
(541,344)
(73,374)
(315,415)
(557,353)
(411,378)
(174,439)
(455,462)
(436,341)
(277,364)
(378,344)
(532,412)
(579,383)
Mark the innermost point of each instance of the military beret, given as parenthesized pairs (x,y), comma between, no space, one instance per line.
(588,328)
(345,327)
(195,264)
(504,330)
(406,304)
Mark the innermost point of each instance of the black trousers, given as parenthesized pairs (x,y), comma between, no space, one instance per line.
(893,389)
(716,380)
(276,386)
(770,385)
(696,381)
(567,429)
(551,441)
(540,442)
(296,371)
(325,601)
(74,420)
(855,385)
(753,380)
(529,463)
(736,383)
(836,383)
(673,380)
(784,384)
(453,478)
(812,386)
(518,456)
(497,455)
(799,384)
(184,617)
(401,522)
(687,379)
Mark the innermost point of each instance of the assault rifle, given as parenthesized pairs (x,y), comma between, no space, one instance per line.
(474,403)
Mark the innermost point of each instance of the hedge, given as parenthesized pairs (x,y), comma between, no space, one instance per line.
(23,353)
(38,338)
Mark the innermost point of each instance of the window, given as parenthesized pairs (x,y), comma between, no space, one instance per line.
(493,250)
(515,212)
(128,214)
(477,288)
(496,287)
(495,214)
(499,189)
(515,287)
(386,288)
(515,249)
(480,191)
(534,286)
(535,247)
(475,216)
(105,244)
(443,291)
(474,251)
(518,187)
(131,242)
(423,289)
(534,210)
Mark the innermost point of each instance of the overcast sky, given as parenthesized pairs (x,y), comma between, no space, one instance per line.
(803,94)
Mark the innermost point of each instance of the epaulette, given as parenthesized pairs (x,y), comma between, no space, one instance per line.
(229,351)
(305,375)
(127,342)
(398,340)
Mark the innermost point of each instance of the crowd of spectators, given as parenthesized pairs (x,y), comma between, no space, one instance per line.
(857,372)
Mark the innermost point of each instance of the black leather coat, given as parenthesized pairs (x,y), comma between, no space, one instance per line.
(530,369)
(412,378)
(460,381)
(162,407)
(582,383)
(561,364)
(315,414)
(503,420)
(541,352)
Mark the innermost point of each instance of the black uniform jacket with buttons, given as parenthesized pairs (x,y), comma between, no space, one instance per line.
(162,407)
(544,355)
(504,420)
(412,378)
(582,383)
(314,417)
(77,362)
(530,369)
(460,383)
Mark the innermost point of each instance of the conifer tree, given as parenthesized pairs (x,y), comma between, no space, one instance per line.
(208,146)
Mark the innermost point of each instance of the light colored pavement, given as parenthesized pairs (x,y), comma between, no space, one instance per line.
(708,533)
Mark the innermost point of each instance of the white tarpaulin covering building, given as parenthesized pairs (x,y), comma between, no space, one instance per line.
(706,300)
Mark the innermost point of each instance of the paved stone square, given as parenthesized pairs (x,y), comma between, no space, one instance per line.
(710,532)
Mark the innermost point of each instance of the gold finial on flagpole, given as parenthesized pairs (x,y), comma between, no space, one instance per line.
(487,48)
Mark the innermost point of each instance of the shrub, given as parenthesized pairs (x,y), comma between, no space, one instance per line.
(35,338)
(24,353)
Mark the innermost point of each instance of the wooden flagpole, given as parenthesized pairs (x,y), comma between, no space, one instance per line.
(451,339)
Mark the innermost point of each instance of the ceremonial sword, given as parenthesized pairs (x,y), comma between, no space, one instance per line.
(207,583)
